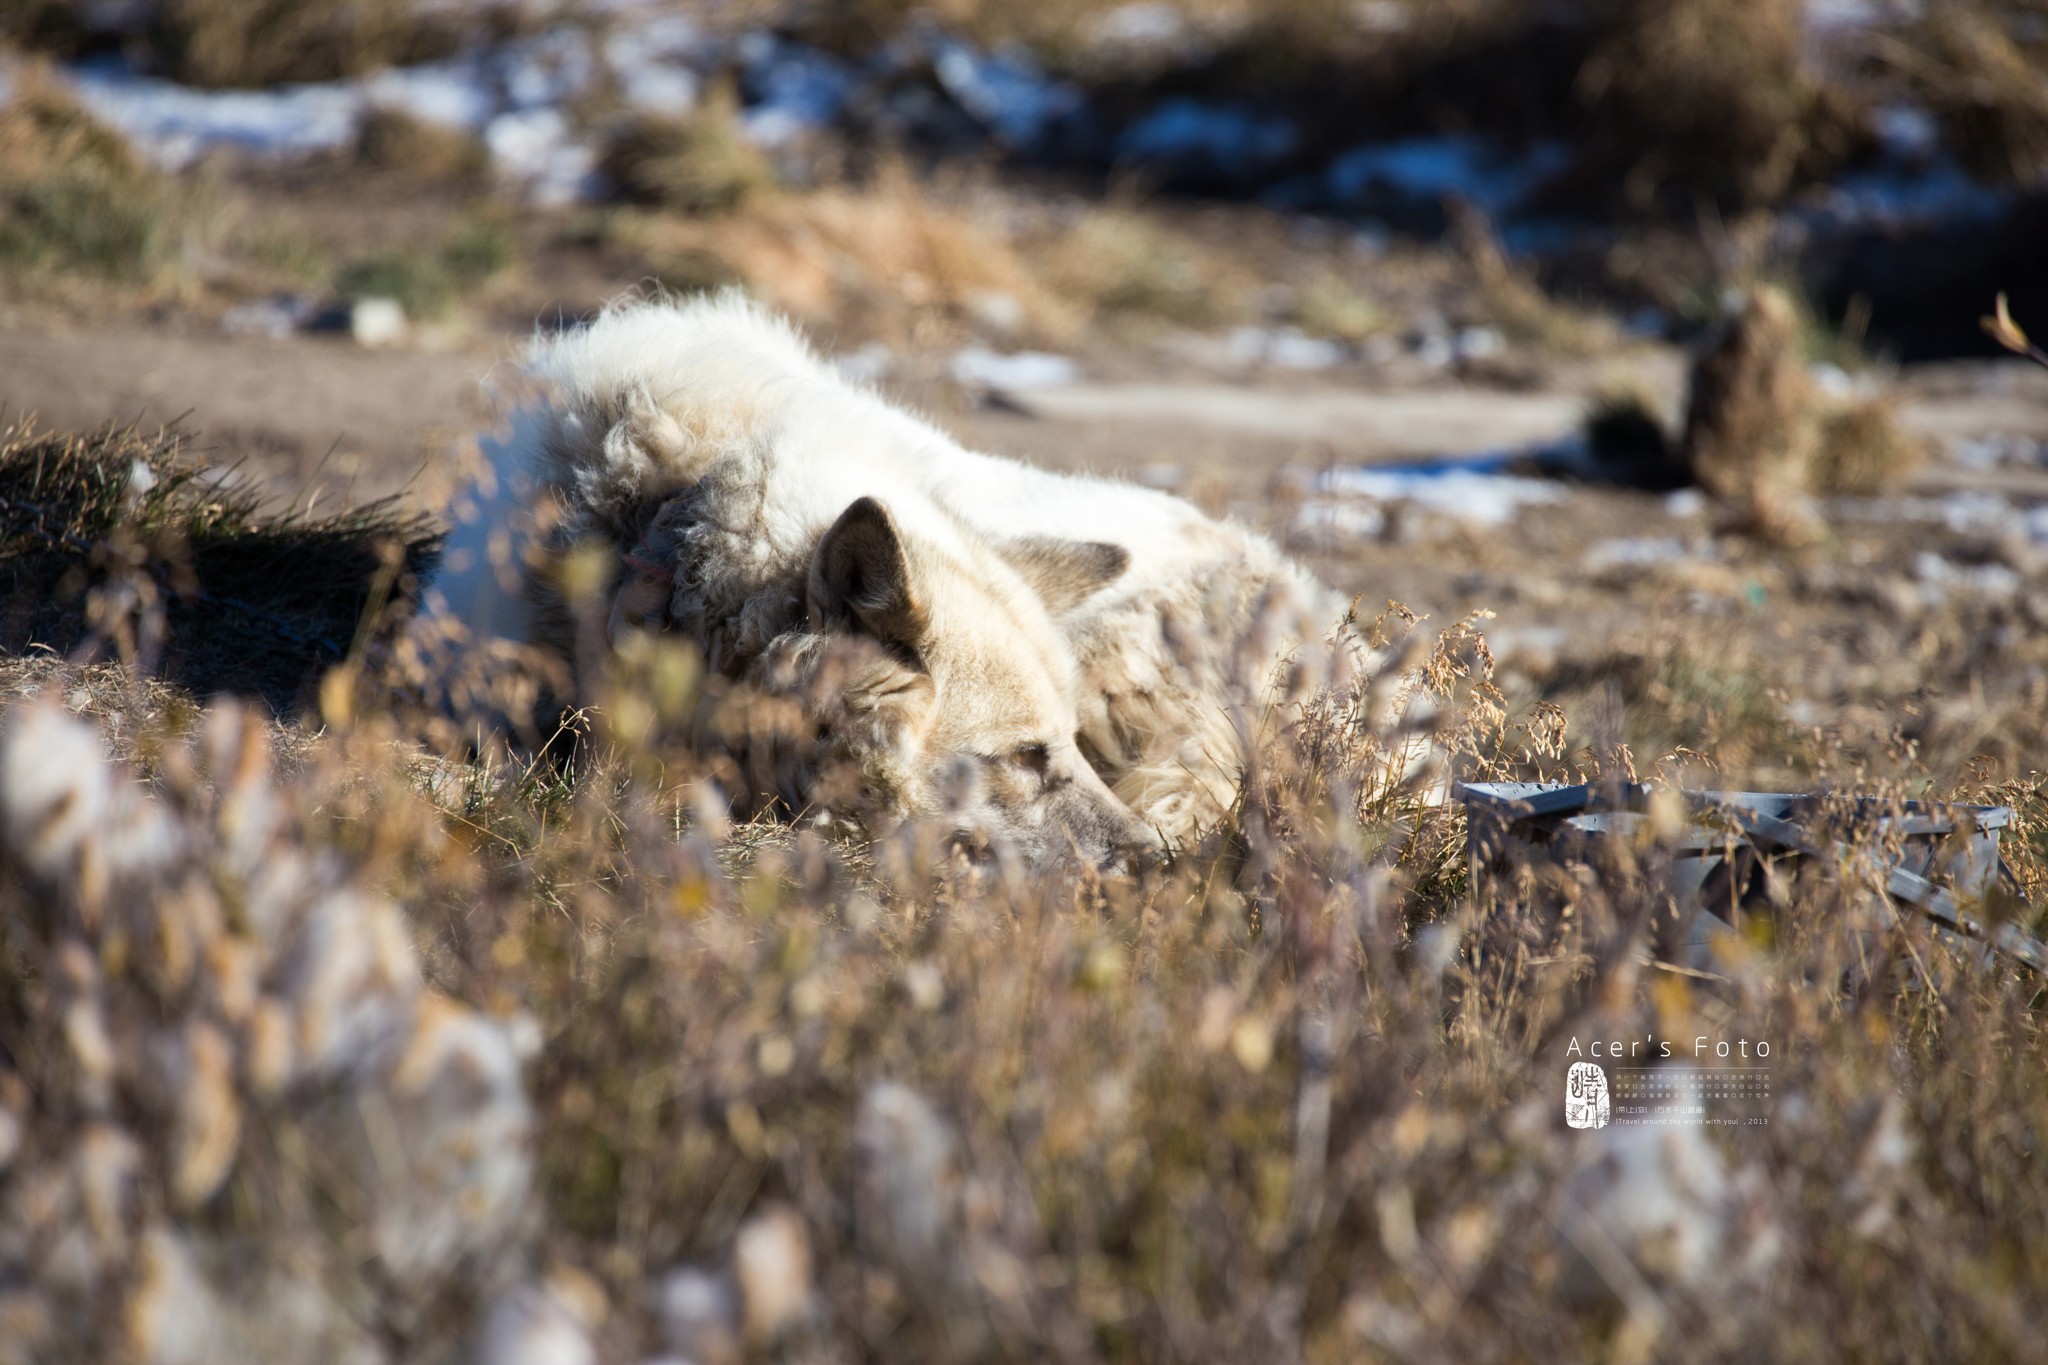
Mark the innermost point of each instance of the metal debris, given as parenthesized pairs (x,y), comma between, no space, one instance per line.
(1941,860)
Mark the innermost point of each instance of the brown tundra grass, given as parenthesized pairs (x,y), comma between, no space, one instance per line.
(406,1051)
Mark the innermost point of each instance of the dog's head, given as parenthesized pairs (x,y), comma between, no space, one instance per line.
(967,708)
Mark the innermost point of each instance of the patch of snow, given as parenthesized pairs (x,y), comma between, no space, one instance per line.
(1285,348)
(660,88)
(271,319)
(1998,450)
(534,147)
(1965,513)
(980,368)
(1634,552)
(796,89)
(1289,349)
(1994,582)
(1435,350)
(546,71)
(657,62)
(1907,132)
(1219,137)
(1898,198)
(867,365)
(1471,168)
(450,94)
(173,125)
(1471,490)
(1005,91)
(1328,519)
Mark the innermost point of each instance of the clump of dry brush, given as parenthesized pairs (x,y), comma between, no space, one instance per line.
(417,1055)
(126,538)
(1762,437)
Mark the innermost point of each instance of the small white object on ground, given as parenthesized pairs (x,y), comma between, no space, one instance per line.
(535,1325)
(376,322)
(1684,503)
(1479,343)
(997,310)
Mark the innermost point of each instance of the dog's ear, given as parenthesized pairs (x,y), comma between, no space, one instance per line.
(1065,573)
(860,578)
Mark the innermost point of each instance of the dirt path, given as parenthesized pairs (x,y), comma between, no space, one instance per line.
(377,419)
(364,423)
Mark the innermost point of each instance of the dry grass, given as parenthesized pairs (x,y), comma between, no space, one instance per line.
(1760,435)
(1120,260)
(1512,299)
(890,258)
(1979,67)
(120,542)
(430,282)
(696,164)
(1863,450)
(928,261)
(74,200)
(1751,421)
(394,142)
(1710,98)
(254,43)
(796,1099)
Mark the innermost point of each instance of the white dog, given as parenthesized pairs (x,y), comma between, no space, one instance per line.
(1067,634)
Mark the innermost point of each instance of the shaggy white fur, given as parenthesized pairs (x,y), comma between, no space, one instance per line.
(714,448)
